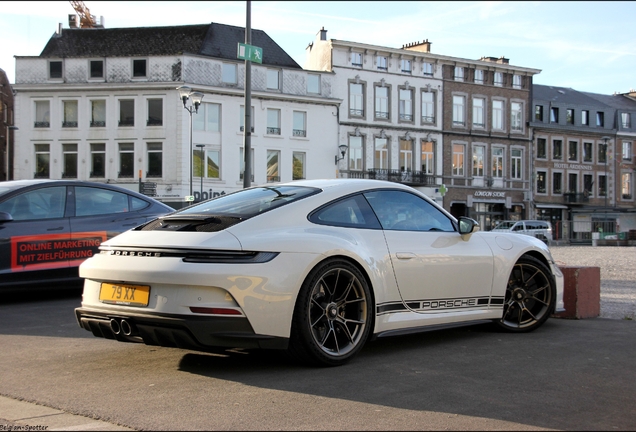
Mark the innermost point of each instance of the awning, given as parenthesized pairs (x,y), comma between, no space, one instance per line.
(559,206)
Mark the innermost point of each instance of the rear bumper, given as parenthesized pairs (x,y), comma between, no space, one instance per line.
(198,333)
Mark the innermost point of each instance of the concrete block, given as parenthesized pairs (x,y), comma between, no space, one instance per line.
(581,292)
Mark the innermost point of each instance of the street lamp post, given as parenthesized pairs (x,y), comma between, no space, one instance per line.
(200,147)
(8,152)
(195,97)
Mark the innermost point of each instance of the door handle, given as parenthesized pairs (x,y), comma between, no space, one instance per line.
(405,255)
(55,229)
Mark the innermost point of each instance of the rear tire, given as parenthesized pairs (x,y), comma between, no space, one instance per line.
(333,316)
(530,296)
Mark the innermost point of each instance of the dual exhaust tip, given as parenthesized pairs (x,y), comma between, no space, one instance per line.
(123,327)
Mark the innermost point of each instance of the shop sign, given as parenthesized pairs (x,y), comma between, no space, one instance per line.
(489,194)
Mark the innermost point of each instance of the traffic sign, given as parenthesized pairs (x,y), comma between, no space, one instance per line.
(249,52)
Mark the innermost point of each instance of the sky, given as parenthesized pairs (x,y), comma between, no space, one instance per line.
(585,45)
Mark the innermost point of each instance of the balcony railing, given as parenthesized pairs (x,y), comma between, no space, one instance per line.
(299,133)
(273,131)
(126,122)
(154,122)
(417,178)
(576,197)
(98,123)
(69,124)
(41,124)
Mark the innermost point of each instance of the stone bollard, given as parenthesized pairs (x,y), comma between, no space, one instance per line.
(581,292)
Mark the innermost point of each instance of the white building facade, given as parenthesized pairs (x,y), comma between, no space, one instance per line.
(119,119)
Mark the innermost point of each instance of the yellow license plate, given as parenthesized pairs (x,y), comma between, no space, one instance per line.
(122,294)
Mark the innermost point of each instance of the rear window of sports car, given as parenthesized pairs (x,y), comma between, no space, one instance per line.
(247,203)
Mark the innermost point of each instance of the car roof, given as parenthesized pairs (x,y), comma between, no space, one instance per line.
(14,185)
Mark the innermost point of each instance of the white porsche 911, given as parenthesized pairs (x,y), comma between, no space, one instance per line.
(316,268)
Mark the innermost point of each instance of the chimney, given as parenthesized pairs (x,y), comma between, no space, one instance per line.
(322,34)
(500,60)
(73,22)
(424,46)
(58,33)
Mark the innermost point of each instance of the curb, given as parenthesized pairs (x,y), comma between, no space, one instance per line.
(18,415)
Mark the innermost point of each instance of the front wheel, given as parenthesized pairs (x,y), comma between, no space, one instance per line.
(530,296)
(333,315)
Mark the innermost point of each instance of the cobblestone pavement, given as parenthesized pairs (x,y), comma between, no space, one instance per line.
(618,275)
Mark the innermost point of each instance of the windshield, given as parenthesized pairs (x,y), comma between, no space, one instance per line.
(505,225)
(247,203)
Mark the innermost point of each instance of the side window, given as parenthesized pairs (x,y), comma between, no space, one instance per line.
(96,201)
(404,211)
(138,204)
(352,212)
(518,227)
(44,203)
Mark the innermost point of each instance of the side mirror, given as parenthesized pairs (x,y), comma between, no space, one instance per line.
(5,217)
(468,225)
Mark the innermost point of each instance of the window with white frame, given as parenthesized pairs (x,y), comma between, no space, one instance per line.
(96,68)
(298,168)
(55,69)
(155,159)
(542,148)
(406,155)
(98,160)
(381,153)
(588,153)
(479,105)
(541,182)
(208,118)
(42,114)
(498,79)
(588,184)
(573,183)
(126,160)
(573,151)
(228,73)
(497,114)
(382,102)
(497,162)
(458,73)
(600,119)
(479,76)
(516,116)
(381,63)
(356,99)
(139,68)
(557,183)
(313,83)
(516,164)
(626,185)
(602,185)
(516,81)
(206,162)
(242,118)
(428,157)
(356,59)
(557,149)
(273,79)
(585,117)
(42,161)
(126,112)
(427,68)
(155,112)
(406,105)
(273,166)
(405,66)
(355,153)
(478,160)
(627,150)
(70,114)
(569,116)
(273,121)
(299,126)
(428,107)
(98,113)
(458,110)
(69,153)
(626,120)
(458,159)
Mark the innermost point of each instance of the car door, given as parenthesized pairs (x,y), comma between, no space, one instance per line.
(37,237)
(436,269)
(100,214)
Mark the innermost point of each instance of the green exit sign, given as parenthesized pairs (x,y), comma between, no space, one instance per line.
(250,52)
